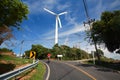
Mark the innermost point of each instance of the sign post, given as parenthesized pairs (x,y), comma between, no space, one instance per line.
(93,56)
(48,56)
(33,55)
(60,56)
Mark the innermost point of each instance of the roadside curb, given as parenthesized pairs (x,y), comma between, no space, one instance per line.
(48,71)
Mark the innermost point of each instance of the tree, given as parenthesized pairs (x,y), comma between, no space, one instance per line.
(5,34)
(56,50)
(67,52)
(12,13)
(107,30)
(41,52)
(27,54)
(100,52)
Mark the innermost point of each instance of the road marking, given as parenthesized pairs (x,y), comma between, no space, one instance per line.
(48,74)
(82,71)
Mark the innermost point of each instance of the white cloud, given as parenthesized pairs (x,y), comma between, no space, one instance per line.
(49,3)
(115,4)
(63,6)
(24,36)
(87,47)
(111,55)
(36,7)
(27,28)
(77,28)
(71,27)
(62,35)
(102,6)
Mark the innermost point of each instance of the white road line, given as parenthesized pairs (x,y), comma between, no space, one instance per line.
(48,74)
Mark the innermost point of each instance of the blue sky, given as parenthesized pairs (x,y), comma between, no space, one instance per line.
(40,26)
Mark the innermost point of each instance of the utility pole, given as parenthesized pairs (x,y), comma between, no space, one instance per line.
(89,22)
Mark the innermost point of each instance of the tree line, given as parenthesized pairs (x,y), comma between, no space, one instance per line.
(67,52)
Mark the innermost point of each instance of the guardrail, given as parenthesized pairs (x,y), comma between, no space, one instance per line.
(16,72)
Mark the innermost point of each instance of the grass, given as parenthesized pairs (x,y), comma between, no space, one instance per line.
(12,62)
(40,71)
(36,73)
(15,60)
(108,63)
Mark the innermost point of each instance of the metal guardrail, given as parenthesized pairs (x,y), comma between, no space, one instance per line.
(16,72)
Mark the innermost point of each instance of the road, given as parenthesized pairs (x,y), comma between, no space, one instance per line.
(62,70)
(99,73)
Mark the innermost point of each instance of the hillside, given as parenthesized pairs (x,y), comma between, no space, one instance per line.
(10,62)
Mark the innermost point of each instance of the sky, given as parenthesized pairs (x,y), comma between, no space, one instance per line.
(40,26)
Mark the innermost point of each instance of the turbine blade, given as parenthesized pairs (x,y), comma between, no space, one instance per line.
(62,13)
(59,22)
(49,11)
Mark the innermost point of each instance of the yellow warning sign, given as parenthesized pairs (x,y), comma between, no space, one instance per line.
(32,54)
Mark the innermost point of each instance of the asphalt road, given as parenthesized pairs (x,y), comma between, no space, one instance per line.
(78,71)
(99,73)
(61,71)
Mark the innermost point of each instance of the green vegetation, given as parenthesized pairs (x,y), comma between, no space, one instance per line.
(17,61)
(108,63)
(12,62)
(100,52)
(67,52)
(12,13)
(36,73)
(107,30)
(39,72)
(5,50)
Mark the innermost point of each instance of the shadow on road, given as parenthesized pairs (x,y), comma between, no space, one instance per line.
(47,62)
(104,69)
(99,68)
(84,65)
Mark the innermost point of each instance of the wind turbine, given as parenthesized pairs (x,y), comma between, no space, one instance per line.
(58,23)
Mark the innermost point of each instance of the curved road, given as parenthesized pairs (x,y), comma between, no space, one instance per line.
(61,71)
(78,71)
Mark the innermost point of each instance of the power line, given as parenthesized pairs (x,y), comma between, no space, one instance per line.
(89,22)
(86,9)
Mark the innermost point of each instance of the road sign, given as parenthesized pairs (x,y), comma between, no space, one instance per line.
(32,54)
(48,55)
(59,55)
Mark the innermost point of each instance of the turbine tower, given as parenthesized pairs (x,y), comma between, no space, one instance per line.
(58,23)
